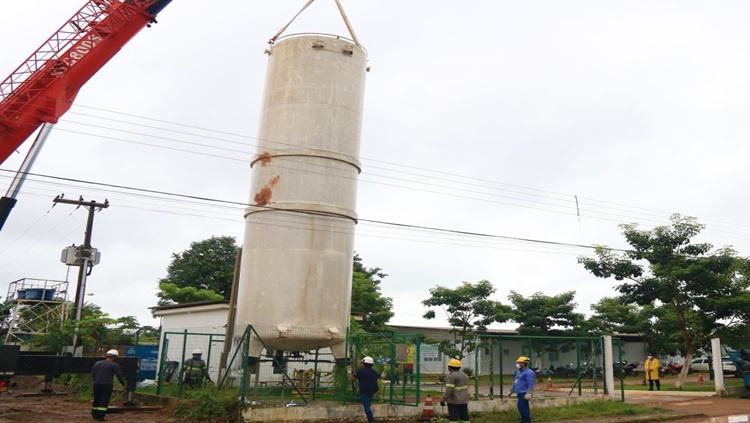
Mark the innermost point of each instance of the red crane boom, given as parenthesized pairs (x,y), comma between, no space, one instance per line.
(43,88)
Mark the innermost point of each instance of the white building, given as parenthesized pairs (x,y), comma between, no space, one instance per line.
(187,327)
(203,326)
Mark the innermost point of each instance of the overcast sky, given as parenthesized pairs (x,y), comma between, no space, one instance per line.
(490,117)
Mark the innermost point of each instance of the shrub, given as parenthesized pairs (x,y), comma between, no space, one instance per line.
(209,404)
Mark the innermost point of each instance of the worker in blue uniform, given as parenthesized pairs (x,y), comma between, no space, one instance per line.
(523,386)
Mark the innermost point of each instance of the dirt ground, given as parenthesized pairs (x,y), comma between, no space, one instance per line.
(61,407)
(20,408)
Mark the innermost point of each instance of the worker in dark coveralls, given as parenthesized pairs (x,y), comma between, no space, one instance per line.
(103,375)
(194,370)
(456,393)
(368,385)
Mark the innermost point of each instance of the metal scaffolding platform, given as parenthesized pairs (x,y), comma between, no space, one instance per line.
(34,306)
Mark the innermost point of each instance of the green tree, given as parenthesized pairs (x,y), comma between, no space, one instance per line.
(655,324)
(188,294)
(367,299)
(92,331)
(193,275)
(469,310)
(544,315)
(705,290)
(148,335)
(613,315)
(95,329)
(664,335)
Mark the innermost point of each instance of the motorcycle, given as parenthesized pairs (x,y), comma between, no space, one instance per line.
(548,372)
(670,368)
(590,370)
(566,371)
(624,369)
(631,368)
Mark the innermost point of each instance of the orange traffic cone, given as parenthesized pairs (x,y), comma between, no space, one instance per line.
(700,379)
(428,412)
(548,386)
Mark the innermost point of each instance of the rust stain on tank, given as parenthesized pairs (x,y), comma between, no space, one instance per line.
(264,158)
(263,197)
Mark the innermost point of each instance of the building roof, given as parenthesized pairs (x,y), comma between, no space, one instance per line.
(195,306)
(439,333)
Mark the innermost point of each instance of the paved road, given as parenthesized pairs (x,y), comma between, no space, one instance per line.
(688,407)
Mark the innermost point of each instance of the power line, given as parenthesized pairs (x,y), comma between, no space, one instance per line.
(654,216)
(599,215)
(555,201)
(659,214)
(296,213)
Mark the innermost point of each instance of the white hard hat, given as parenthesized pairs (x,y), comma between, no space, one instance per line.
(112,353)
(197,351)
(368,360)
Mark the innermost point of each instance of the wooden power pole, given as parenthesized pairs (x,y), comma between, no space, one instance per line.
(84,253)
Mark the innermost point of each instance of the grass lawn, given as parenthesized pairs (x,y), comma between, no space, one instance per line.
(667,384)
(568,412)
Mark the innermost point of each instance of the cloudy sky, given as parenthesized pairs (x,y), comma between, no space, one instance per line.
(536,120)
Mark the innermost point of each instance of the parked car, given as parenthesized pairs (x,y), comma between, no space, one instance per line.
(701,365)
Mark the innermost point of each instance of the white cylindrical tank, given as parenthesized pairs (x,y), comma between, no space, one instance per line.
(296,274)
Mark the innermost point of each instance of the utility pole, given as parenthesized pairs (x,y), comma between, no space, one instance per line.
(85,255)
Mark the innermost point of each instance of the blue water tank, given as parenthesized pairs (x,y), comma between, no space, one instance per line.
(39,294)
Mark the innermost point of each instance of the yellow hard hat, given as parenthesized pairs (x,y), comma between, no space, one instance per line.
(454,363)
(523,359)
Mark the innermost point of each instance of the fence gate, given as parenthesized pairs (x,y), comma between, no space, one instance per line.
(178,347)
(395,359)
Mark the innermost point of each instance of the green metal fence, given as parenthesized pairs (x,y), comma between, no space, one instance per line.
(563,365)
(276,376)
(297,378)
(178,347)
(396,359)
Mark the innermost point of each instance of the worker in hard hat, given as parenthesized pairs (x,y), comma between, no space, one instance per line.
(103,374)
(523,386)
(368,384)
(456,393)
(194,370)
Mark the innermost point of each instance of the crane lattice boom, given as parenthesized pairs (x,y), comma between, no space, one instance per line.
(43,88)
